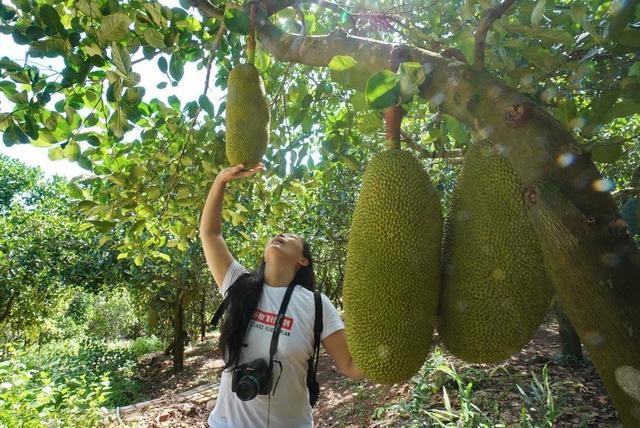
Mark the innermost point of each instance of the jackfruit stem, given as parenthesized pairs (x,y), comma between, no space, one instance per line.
(393,119)
(251,39)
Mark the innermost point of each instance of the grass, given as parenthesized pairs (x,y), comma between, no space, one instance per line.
(442,395)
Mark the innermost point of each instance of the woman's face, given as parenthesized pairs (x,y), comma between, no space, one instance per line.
(285,247)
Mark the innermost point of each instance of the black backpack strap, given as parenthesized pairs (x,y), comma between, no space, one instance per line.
(312,363)
(317,327)
(219,312)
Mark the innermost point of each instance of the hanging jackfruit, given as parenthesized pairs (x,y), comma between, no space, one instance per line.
(392,272)
(495,289)
(247,116)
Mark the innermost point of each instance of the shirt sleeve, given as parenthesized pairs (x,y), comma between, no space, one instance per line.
(331,321)
(233,273)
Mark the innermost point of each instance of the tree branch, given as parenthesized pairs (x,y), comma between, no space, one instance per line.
(492,16)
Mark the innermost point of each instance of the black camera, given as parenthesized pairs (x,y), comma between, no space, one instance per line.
(251,379)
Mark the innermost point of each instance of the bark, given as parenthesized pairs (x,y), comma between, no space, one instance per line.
(203,321)
(570,345)
(7,308)
(599,291)
(180,336)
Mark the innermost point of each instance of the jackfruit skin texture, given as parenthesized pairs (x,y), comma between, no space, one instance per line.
(495,289)
(246,116)
(392,272)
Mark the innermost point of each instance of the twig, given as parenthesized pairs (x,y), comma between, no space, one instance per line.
(492,16)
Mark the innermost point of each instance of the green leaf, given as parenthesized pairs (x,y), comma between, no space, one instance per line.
(154,10)
(72,151)
(206,105)
(114,27)
(262,60)
(608,151)
(45,139)
(14,135)
(538,11)
(412,75)
(382,90)
(176,66)
(341,63)
(634,70)
(236,21)
(74,190)
(358,101)
(139,260)
(162,64)
(51,20)
(89,8)
(369,123)
(118,123)
(8,65)
(102,225)
(120,58)
(154,38)
(56,153)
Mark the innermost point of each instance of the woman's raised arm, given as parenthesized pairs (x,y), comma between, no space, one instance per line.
(215,248)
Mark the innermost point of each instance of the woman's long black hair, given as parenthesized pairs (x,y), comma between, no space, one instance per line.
(244,295)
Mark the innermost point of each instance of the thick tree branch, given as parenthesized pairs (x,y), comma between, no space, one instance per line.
(492,16)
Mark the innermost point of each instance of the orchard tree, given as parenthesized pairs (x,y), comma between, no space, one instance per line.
(44,254)
(554,85)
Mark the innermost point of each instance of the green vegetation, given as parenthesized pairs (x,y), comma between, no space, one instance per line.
(443,396)
(392,273)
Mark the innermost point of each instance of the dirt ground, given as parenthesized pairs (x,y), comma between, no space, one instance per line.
(349,403)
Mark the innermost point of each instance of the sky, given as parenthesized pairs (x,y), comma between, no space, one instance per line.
(189,88)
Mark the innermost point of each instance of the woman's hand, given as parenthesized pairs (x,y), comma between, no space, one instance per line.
(231,173)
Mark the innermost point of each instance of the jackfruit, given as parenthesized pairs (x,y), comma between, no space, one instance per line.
(495,289)
(246,117)
(392,272)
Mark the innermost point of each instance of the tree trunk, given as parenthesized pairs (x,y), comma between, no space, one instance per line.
(570,345)
(598,289)
(179,336)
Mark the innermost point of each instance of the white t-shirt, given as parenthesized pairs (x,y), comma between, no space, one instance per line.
(289,407)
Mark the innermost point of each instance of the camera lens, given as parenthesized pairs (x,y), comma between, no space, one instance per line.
(247,388)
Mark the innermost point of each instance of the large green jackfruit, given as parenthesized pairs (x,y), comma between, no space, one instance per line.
(392,272)
(246,117)
(495,289)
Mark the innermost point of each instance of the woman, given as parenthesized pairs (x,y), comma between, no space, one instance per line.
(255,299)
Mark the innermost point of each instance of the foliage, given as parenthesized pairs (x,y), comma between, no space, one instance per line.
(51,388)
(111,316)
(443,396)
(82,376)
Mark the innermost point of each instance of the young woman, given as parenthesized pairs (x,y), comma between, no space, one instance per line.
(254,301)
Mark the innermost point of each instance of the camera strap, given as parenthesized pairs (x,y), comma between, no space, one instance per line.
(278,324)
